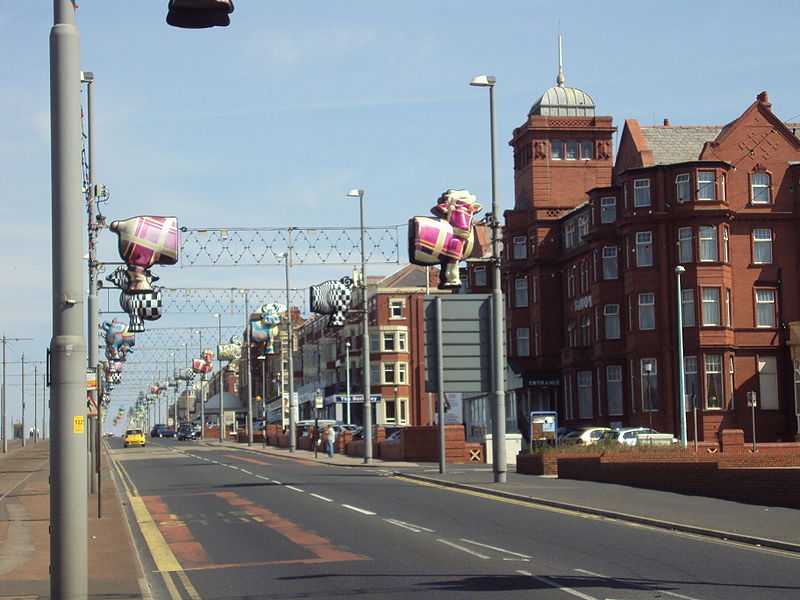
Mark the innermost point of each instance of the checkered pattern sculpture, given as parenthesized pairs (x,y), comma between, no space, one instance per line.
(332,298)
(144,242)
(445,239)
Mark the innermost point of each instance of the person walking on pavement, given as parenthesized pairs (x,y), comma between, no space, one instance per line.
(330,438)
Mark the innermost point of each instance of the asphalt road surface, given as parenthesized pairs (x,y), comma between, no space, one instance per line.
(223,523)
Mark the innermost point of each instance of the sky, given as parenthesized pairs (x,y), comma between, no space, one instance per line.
(268,123)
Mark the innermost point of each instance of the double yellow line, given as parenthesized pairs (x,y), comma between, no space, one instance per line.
(166,563)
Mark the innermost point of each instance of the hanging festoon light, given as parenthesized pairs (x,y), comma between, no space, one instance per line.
(143,242)
(446,238)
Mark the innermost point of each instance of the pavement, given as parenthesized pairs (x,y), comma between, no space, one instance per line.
(115,570)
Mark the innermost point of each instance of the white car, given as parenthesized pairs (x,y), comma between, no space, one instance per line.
(626,435)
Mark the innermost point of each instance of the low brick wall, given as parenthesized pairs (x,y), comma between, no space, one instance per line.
(730,470)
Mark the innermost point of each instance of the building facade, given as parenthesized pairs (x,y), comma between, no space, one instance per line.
(591,251)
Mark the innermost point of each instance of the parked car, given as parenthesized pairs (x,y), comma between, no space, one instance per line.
(134,437)
(585,435)
(628,435)
(186,431)
(161,430)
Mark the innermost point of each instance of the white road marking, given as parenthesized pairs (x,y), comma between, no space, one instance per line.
(276,481)
(496,548)
(359,510)
(296,489)
(409,526)
(641,587)
(558,586)
(322,498)
(462,548)
(248,472)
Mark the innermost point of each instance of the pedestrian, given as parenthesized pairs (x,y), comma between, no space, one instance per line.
(330,438)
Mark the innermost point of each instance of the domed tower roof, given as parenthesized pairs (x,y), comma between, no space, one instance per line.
(563,101)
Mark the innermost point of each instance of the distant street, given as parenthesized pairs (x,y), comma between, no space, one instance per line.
(224,523)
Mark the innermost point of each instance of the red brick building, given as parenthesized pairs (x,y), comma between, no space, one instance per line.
(591,250)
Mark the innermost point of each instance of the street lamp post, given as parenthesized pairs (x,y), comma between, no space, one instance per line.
(681,367)
(68,477)
(365,344)
(220,421)
(498,358)
(287,256)
(347,376)
(648,368)
(246,352)
(203,379)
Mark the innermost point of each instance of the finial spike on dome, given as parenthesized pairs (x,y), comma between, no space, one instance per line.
(560,78)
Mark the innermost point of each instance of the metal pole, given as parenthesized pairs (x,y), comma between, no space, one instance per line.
(290,355)
(246,350)
(681,367)
(203,380)
(92,307)
(365,334)
(68,499)
(35,403)
(23,399)
(498,327)
(347,377)
(440,384)
(221,421)
(3,411)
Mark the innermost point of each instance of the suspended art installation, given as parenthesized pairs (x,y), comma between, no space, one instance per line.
(144,241)
(332,298)
(267,328)
(447,238)
(230,352)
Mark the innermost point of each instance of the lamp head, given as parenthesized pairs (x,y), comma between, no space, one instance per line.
(679,269)
(355,193)
(483,81)
(87,77)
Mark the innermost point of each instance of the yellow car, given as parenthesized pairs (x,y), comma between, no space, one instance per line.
(134,437)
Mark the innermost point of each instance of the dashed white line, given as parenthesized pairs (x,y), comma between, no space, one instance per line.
(525,556)
(322,497)
(359,510)
(296,489)
(248,472)
(462,548)
(409,526)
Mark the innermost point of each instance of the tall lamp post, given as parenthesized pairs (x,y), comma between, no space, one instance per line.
(365,345)
(68,475)
(498,359)
(287,256)
(347,376)
(679,270)
(221,420)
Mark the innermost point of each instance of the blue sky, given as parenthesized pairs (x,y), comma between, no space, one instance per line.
(269,122)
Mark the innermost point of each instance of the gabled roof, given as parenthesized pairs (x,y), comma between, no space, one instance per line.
(671,145)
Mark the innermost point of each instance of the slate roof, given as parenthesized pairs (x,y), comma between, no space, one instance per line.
(678,144)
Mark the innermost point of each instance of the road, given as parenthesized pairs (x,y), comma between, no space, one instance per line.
(224,523)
